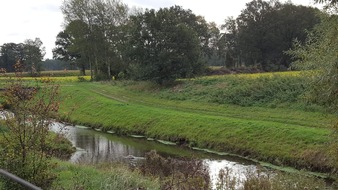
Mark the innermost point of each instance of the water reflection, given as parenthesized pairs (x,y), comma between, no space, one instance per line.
(96,147)
(5,114)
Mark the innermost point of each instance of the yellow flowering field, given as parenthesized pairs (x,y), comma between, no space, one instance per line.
(256,75)
(56,79)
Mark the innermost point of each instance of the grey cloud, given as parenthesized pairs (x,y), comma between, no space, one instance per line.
(47,7)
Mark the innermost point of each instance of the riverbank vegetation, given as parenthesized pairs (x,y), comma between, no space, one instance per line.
(281,129)
(105,176)
(26,144)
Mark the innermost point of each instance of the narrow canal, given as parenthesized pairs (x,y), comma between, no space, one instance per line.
(95,147)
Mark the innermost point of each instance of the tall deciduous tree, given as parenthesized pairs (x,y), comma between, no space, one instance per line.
(167,44)
(10,53)
(319,57)
(264,30)
(76,48)
(100,23)
(33,55)
(30,53)
(63,52)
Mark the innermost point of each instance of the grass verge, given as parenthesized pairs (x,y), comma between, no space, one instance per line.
(102,176)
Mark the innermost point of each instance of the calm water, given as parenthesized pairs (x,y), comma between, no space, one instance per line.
(95,147)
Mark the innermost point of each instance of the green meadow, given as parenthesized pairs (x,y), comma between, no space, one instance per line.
(259,117)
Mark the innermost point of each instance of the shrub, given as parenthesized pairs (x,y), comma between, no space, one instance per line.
(24,145)
(177,174)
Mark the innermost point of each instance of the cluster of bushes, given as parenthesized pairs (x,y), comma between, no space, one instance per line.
(176,174)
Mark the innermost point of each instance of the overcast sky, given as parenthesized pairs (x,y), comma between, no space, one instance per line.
(28,19)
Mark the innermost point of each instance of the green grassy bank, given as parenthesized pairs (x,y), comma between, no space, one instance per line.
(100,176)
(276,129)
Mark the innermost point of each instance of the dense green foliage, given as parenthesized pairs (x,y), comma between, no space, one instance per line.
(93,35)
(263,31)
(318,56)
(167,44)
(280,136)
(30,54)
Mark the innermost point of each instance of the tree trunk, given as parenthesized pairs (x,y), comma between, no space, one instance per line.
(91,70)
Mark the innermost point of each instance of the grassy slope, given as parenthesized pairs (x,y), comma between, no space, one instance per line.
(280,135)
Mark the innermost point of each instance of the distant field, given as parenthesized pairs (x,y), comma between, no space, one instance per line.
(55,78)
(256,75)
(60,73)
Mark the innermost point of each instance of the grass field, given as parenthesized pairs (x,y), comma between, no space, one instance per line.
(261,116)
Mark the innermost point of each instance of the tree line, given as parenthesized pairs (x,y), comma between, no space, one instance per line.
(112,40)
(30,54)
(161,45)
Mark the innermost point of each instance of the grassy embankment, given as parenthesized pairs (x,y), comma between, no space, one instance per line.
(259,116)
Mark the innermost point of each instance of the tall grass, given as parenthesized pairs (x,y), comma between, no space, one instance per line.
(104,176)
(263,90)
